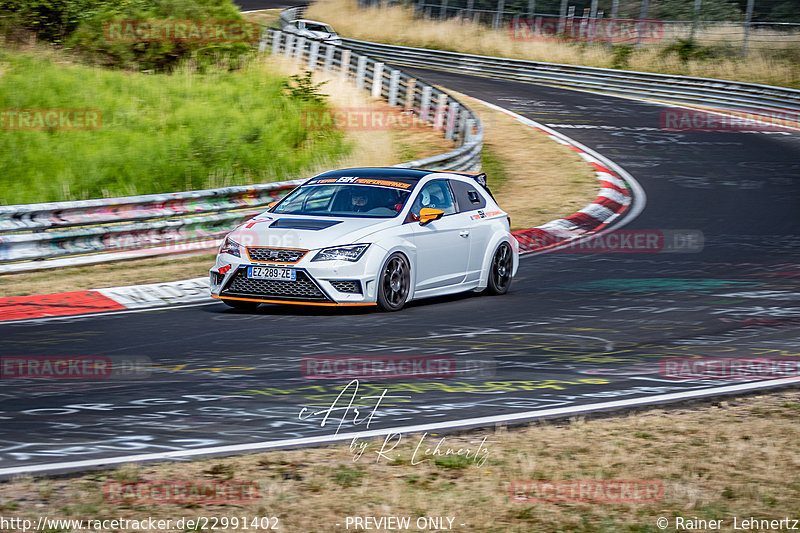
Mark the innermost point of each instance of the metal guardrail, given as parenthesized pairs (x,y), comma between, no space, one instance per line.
(399,89)
(60,229)
(80,232)
(753,98)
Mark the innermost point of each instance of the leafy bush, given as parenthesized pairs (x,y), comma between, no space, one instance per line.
(622,55)
(90,37)
(304,89)
(686,49)
(81,24)
(51,20)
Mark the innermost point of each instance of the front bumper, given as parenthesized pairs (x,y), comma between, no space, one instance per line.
(317,283)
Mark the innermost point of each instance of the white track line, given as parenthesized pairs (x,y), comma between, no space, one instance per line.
(639,198)
(325,439)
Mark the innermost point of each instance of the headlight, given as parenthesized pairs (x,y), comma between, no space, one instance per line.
(229,246)
(351,252)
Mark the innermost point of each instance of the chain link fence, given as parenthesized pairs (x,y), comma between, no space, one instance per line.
(717,23)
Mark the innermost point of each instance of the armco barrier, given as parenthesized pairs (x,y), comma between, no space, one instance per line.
(33,232)
(399,89)
(88,231)
(725,94)
(754,98)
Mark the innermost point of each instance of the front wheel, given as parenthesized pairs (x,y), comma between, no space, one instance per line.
(242,305)
(394,283)
(500,270)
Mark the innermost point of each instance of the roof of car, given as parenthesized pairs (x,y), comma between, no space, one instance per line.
(313,22)
(383,172)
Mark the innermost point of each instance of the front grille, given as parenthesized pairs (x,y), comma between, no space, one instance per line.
(276,255)
(347,285)
(302,289)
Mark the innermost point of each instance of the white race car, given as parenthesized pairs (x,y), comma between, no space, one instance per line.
(314,30)
(366,236)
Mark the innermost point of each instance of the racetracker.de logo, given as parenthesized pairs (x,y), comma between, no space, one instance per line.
(635,241)
(586,30)
(82,367)
(180,31)
(181,492)
(588,490)
(769,120)
(372,367)
(362,118)
(50,119)
(730,368)
(55,367)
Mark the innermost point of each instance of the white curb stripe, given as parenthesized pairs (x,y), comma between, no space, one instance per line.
(480,421)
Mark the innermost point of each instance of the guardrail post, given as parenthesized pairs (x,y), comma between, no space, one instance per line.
(299,48)
(344,68)
(394,84)
(361,71)
(313,55)
(289,47)
(441,108)
(377,80)
(425,105)
(262,44)
(747,23)
(329,57)
(498,18)
(468,132)
(450,125)
(276,43)
(411,87)
(461,136)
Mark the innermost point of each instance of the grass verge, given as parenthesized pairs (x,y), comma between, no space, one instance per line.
(158,132)
(399,26)
(539,179)
(715,460)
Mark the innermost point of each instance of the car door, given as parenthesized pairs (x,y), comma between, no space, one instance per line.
(470,200)
(442,245)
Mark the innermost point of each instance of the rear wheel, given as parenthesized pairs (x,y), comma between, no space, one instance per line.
(242,305)
(500,270)
(394,283)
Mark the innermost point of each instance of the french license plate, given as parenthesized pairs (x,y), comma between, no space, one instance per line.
(288,274)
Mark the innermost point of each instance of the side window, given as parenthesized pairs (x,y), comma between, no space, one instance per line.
(468,196)
(437,195)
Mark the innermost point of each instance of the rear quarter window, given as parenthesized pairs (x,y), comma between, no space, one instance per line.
(468,196)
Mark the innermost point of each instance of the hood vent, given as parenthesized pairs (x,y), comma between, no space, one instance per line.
(303,223)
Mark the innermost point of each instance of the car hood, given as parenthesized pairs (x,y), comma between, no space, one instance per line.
(322,35)
(307,232)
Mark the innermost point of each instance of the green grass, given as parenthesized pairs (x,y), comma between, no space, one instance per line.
(495,168)
(159,133)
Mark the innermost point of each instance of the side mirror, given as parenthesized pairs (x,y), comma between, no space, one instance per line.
(272,204)
(428,214)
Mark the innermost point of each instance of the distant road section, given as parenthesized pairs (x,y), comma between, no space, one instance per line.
(253,5)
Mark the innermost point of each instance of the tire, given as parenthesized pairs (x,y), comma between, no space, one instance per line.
(500,270)
(394,283)
(242,305)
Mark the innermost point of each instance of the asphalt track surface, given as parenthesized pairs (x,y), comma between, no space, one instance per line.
(577,329)
(253,5)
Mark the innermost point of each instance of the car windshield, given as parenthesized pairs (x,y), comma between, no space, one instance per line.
(319,27)
(344,200)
